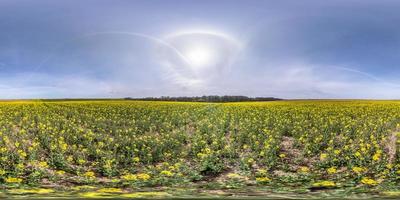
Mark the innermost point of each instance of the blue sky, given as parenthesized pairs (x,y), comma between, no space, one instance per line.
(138,48)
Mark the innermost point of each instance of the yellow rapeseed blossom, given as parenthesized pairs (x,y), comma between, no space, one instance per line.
(143,176)
(108,136)
(234,176)
(20,166)
(376,157)
(43,164)
(110,190)
(323,156)
(262,172)
(89,175)
(12,180)
(60,172)
(250,160)
(22,153)
(136,159)
(70,158)
(263,179)
(166,173)
(304,169)
(3,149)
(201,155)
(81,161)
(389,166)
(331,170)
(129,177)
(358,170)
(368,181)
(325,184)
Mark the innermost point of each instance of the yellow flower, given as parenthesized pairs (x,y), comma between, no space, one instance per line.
(60,172)
(22,153)
(31,191)
(136,159)
(282,155)
(376,157)
(143,176)
(207,150)
(81,161)
(3,149)
(115,180)
(234,176)
(20,166)
(358,170)
(262,172)
(43,164)
(325,184)
(63,146)
(263,179)
(323,156)
(331,170)
(70,158)
(13,180)
(110,190)
(304,169)
(166,173)
(368,181)
(89,174)
(201,155)
(129,177)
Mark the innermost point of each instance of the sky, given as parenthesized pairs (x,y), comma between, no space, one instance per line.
(141,48)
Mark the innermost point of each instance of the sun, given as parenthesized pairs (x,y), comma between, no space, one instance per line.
(199,56)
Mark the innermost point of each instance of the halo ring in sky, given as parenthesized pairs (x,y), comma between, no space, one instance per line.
(209,55)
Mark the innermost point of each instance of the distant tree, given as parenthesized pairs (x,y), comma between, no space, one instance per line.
(210,98)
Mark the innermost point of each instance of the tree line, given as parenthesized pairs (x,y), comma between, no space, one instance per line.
(211,98)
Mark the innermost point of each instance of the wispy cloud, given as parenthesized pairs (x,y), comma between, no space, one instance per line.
(337,49)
